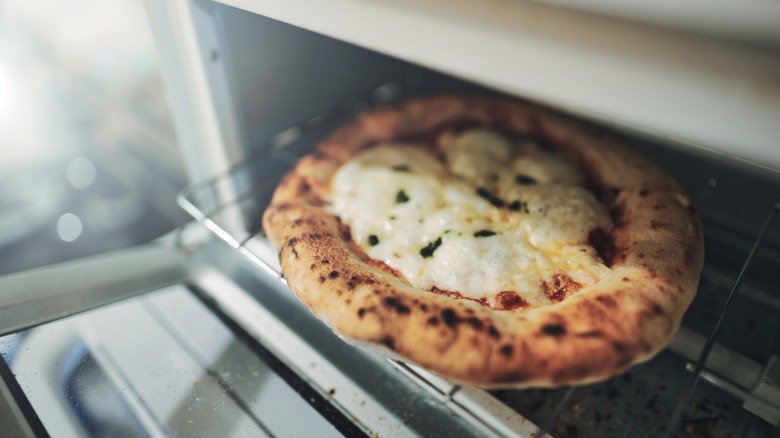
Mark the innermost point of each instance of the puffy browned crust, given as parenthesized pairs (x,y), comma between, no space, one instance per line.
(655,251)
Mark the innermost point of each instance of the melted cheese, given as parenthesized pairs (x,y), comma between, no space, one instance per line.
(497,217)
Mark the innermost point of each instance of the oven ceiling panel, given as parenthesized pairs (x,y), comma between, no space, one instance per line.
(716,86)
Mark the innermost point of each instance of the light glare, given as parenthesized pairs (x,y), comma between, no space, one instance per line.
(69,227)
(81,172)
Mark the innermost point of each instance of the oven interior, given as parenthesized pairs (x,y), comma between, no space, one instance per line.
(734,314)
(734,317)
(277,91)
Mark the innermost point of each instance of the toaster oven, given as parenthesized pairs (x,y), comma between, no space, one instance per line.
(196,333)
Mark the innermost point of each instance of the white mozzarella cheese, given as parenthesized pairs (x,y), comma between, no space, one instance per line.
(496,217)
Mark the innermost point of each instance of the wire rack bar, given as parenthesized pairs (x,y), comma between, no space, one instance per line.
(544,430)
(690,386)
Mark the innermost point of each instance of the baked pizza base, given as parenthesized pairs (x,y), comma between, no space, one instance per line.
(655,253)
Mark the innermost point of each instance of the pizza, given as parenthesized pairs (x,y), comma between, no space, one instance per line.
(489,241)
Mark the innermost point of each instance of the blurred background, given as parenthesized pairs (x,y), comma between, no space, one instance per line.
(88,156)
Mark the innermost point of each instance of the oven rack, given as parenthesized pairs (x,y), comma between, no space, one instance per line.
(231,205)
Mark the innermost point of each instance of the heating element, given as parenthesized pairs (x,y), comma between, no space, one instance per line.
(719,375)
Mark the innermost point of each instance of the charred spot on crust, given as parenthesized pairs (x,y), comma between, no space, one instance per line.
(357,280)
(333,274)
(606,300)
(397,306)
(449,317)
(303,189)
(388,342)
(657,309)
(361,312)
(432,321)
(344,230)
(626,279)
(506,350)
(554,330)
(604,245)
(474,322)
(493,333)
(619,347)
(321,279)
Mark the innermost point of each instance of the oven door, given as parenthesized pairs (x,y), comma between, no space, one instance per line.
(190,339)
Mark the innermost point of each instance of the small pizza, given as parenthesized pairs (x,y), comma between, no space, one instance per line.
(489,241)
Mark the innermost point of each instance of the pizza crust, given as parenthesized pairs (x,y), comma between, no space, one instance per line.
(655,252)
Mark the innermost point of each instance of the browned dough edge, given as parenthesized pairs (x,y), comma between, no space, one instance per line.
(626,318)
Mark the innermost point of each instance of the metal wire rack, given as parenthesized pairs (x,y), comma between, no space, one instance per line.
(728,339)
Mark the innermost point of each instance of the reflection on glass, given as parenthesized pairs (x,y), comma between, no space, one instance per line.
(88,159)
(69,227)
(156,365)
(81,172)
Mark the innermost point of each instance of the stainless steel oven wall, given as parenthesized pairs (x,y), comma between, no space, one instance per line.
(248,78)
(705,89)
(279,75)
